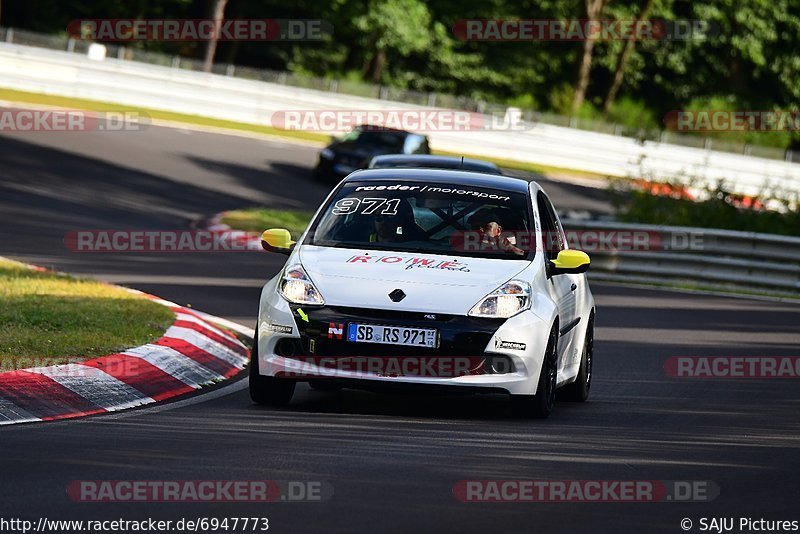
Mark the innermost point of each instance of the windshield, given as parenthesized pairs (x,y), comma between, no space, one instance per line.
(376,139)
(424,217)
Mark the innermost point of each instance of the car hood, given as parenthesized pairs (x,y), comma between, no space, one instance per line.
(432,283)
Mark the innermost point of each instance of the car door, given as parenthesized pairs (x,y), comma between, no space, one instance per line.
(563,287)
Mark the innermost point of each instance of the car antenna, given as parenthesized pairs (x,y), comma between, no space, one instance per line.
(462,162)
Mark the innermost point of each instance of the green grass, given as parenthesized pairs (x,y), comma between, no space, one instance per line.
(322,139)
(260,219)
(48,318)
(94,105)
(527,167)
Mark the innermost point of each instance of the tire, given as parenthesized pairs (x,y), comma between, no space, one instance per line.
(268,390)
(578,391)
(324,385)
(541,405)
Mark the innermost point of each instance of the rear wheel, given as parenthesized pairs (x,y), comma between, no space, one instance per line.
(268,390)
(541,405)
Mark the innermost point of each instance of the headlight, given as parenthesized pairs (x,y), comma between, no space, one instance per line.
(505,301)
(297,287)
(326,153)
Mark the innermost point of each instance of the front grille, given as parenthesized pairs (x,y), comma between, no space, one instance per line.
(325,332)
(435,366)
(392,314)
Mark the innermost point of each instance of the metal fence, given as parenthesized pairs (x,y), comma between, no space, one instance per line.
(63,42)
(649,253)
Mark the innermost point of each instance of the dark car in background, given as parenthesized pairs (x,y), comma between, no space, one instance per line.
(427,161)
(357,148)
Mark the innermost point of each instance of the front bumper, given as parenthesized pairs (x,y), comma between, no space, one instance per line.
(469,354)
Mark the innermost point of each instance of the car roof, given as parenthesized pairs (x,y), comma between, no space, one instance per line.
(445,176)
(385,129)
(432,158)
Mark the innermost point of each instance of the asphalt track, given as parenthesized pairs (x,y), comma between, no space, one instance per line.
(391,459)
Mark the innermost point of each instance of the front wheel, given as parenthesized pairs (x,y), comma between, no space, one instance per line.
(578,391)
(322,385)
(268,390)
(541,405)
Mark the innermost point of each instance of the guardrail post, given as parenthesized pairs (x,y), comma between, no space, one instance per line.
(70,45)
(230,70)
(121,52)
(282,78)
(10,35)
(334,86)
(707,143)
(383,93)
(176,62)
(431,100)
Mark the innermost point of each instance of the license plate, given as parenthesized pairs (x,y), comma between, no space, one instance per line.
(392,335)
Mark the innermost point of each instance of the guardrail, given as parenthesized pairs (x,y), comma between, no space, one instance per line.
(218,96)
(651,253)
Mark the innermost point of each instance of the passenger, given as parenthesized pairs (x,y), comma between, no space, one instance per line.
(397,228)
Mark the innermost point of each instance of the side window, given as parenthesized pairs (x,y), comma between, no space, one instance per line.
(415,144)
(424,148)
(551,227)
(562,236)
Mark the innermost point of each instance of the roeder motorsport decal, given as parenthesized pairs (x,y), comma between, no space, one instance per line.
(448,189)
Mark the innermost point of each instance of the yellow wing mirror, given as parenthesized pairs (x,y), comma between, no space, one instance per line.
(277,240)
(568,262)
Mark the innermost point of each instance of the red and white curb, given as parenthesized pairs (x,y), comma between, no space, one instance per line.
(191,354)
(249,239)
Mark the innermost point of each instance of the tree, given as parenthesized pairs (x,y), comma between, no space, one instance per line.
(393,28)
(593,10)
(211,47)
(622,60)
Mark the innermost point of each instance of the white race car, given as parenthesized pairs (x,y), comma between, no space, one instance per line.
(430,279)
